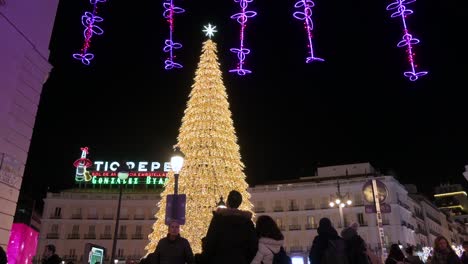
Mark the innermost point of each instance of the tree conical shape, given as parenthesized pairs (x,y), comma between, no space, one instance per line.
(212,166)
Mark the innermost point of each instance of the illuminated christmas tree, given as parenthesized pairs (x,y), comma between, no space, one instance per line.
(212,166)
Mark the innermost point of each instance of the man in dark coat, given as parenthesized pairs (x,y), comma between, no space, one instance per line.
(173,249)
(356,248)
(325,232)
(49,256)
(231,236)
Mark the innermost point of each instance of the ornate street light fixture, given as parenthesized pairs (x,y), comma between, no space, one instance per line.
(340,201)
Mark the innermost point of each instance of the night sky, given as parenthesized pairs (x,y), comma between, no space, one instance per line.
(290,117)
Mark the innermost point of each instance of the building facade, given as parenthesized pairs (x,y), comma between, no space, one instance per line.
(27,25)
(76,217)
(73,218)
(297,206)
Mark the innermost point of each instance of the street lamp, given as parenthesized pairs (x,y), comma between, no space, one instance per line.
(221,203)
(177,161)
(340,201)
(122,175)
(176,202)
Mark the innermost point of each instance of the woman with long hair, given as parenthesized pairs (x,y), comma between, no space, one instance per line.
(443,252)
(395,255)
(270,240)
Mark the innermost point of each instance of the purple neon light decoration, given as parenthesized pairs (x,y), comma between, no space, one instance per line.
(407,39)
(88,19)
(241,52)
(169,44)
(306,15)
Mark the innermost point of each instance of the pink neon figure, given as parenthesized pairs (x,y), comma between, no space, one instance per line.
(407,39)
(169,44)
(306,15)
(241,52)
(88,20)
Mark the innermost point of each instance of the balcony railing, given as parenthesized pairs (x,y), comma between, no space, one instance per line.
(139,217)
(309,207)
(73,236)
(108,217)
(294,208)
(310,226)
(433,218)
(259,210)
(294,227)
(124,217)
(90,236)
(93,217)
(122,236)
(137,236)
(76,216)
(70,257)
(52,235)
(363,224)
(278,209)
(421,231)
(105,236)
(55,217)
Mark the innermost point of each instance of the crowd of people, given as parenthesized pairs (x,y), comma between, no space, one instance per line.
(232,238)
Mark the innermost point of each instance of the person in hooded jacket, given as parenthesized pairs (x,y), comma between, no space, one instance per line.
(443,252)
(356,248)
(231,236)
(270,240)
(49,256)
(326,232)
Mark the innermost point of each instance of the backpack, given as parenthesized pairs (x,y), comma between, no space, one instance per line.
(335,253)
(281,257)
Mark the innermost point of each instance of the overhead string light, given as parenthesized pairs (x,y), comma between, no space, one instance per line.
(169,45)
(399,10)
(89,20)
(306,14)
(241,52)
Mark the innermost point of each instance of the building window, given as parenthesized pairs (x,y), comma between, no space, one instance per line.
(360,219)
(75,229)
(358,199)
(107,229)
(72,252)
(279,222)
(310,220)
(278,207)
(123,232)
(58,212)
(92,213)
(309,204)
(293,205)
(120,253)
(138,230)
(76,213)
(92,229)
(54,229)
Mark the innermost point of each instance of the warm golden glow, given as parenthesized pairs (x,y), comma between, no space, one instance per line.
(212,165)
(453,207)
(450,194)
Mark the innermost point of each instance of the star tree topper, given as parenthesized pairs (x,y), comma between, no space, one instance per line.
(209,30)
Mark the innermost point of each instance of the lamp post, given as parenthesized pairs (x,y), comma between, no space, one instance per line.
(122,174)
(177,161)
(340,202)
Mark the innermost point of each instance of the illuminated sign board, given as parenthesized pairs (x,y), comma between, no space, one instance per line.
(139,173)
